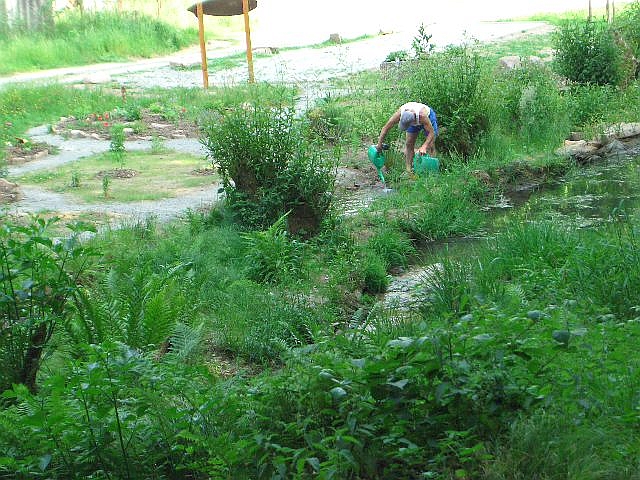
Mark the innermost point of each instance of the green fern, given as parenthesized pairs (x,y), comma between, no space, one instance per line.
(139,309)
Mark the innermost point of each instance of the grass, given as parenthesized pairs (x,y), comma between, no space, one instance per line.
(99,37)
(159,176)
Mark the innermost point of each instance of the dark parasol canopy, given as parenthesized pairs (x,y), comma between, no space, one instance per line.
(222,8)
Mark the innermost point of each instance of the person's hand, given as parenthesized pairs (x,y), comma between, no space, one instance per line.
(423,150)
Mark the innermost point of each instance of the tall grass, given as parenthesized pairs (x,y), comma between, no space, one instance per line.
(78,39)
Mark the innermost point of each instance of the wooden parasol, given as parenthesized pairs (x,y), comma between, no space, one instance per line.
(223,8)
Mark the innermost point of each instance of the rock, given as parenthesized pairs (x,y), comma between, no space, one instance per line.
(98,77)
(39,155)
(265,50)
(482,176)
(575,136)
(159,125)
(509,62)
(614,148)
(128,131)
(335,38)
(9,192)
(183,65)
(77,134)
(576,148)
(621,131)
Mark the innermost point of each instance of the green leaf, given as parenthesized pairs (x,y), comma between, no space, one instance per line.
(535,315)
(483,337)
(400,383)
(314,462)
(561,336)
(44,462)
(338,393)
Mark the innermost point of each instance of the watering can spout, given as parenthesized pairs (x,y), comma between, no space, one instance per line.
(377,158)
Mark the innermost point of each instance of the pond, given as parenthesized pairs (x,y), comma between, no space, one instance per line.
(585,197)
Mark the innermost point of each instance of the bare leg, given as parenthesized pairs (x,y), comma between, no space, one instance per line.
(409,150)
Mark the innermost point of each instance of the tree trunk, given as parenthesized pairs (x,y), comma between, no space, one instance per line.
(33,14)
(38,340)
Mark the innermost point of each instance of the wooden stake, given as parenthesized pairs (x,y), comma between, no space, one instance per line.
(247,30)
(203,48)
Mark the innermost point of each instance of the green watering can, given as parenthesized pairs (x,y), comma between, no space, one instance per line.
(425,164)
(377,158)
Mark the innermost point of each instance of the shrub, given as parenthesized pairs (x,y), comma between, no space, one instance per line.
(268,167)
(586,52)
(528,103)
(629,34)
(116,146)
(451,82)
(589,103)
(38,278)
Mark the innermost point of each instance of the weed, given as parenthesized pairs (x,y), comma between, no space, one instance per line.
(106,183)
(157,145)
(75,179)
(116,147)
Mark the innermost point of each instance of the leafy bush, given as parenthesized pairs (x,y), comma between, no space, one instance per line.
(140,309)
(268,167)
(397,56)
(586,52)
(589,103)
(451,82)
(118,414)
(626,23)
(38,278)
(116,146)
(527,103)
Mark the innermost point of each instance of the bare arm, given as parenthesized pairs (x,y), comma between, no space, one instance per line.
(431,137)
(393,120)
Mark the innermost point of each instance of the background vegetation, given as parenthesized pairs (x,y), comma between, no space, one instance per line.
(212,348)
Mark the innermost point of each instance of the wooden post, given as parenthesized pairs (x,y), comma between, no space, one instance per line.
(203,48)
(590,12)
(247,30)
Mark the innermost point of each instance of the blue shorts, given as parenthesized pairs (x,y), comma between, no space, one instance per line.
(434,123)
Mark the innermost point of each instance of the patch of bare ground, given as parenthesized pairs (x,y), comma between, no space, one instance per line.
(117,173)
(23,151)
(146,127)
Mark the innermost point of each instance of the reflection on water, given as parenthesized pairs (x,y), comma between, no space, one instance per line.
(586,197)
(589,195)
